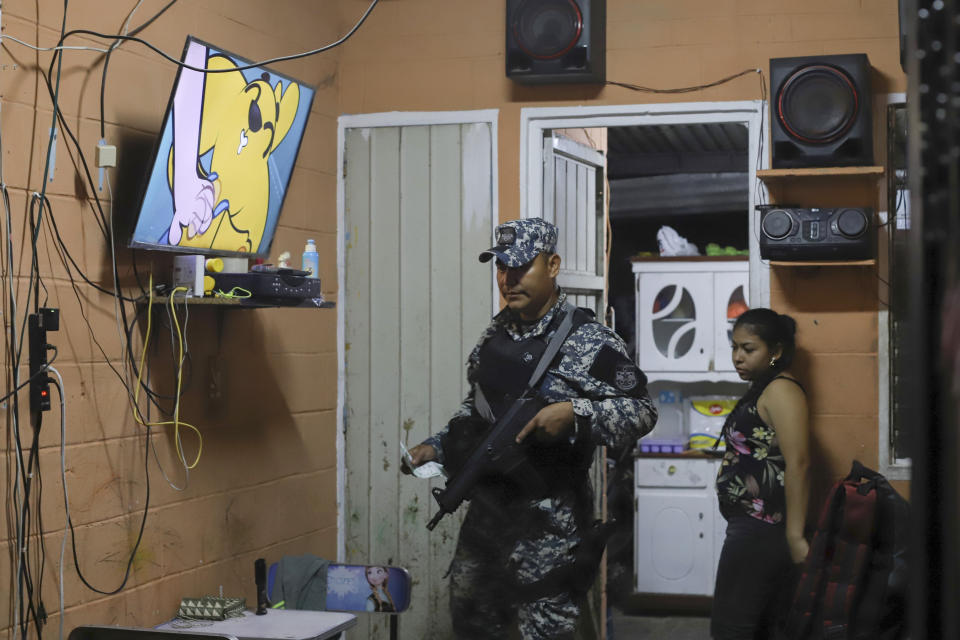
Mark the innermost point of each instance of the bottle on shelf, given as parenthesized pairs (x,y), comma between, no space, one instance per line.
(311,259)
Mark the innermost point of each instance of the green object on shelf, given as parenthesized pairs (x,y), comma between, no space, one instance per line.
(714,249)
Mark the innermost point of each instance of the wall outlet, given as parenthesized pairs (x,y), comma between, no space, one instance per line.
(106,155)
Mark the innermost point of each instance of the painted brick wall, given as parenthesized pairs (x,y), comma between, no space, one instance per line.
(259,384)
(262,387)
(449,54)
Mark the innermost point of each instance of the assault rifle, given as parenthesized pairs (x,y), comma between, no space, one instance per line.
(498,453)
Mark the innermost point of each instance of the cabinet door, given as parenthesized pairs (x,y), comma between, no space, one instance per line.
(674,542)
(674,312)
(730,291)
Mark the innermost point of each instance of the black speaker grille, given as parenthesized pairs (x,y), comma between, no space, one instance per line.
(777,224)
(852,223)
(817,104)
(547,29)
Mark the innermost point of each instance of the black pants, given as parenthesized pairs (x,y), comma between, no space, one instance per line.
(754,581)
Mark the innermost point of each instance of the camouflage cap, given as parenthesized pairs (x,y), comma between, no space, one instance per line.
(520,241)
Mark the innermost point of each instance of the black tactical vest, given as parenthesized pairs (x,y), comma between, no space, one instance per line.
(503,370)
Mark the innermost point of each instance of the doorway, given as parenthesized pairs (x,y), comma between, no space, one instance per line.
(737,129)
(690,167)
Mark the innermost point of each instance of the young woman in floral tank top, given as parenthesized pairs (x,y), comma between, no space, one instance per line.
(763,483)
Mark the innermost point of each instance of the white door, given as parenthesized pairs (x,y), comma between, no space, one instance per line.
(573,199)
(418,209)
(674,541)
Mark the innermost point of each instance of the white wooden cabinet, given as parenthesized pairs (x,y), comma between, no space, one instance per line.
(682,317)
(679,530)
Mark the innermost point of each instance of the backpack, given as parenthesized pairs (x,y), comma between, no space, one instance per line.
(853,585)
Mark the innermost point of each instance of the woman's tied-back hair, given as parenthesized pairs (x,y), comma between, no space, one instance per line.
(776,330)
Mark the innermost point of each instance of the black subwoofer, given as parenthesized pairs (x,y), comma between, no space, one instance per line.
(820,112)
(551,41)
(842,233)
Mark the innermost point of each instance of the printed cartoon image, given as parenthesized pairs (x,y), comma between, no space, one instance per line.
(380,598)
(372,588)
(225,158)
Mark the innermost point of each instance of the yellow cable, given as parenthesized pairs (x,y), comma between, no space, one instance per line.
(176,405)
(236,292)
(136,398)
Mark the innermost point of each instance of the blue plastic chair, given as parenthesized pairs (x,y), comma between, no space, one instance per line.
(400,593)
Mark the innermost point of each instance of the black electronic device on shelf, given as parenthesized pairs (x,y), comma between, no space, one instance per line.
(279,284)
(796,233)
(820,113)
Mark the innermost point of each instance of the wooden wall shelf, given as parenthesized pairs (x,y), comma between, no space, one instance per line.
(723,258)
(822,172)
(822,263)
(245,303)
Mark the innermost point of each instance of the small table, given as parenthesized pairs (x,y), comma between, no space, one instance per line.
(277,624)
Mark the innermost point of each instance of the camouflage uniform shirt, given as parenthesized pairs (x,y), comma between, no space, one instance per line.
(609,401)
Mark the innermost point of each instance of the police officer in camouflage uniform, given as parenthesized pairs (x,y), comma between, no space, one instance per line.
(521,558)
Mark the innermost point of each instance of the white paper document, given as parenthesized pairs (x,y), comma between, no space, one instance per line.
(426,470)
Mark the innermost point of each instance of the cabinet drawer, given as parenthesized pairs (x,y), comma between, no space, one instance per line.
(675,472)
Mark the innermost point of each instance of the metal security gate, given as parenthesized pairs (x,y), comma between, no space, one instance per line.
(419,206)
(573,199)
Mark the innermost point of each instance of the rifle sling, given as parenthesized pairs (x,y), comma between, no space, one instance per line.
(553,347)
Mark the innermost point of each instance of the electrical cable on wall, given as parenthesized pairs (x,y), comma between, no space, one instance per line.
(120,37)
(690,89)
(115,45)
(25,608)
(28,606)
(57,48)
(63,480)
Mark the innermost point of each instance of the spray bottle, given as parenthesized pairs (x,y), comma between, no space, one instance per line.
(311,259)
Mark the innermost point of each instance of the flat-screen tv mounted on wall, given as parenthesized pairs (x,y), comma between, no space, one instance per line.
(224,157)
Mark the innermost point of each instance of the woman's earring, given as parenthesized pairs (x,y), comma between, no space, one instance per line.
(773,362)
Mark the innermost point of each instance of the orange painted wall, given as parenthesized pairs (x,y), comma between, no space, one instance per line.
(449,55)
(263,382)
(259,384)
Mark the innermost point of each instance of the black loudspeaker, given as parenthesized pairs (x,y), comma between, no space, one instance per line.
(820,111)
(552,41)
(844,233)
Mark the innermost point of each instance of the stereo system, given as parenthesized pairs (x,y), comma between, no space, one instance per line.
(553,41)
(820,113)
(278,284)
(792,233)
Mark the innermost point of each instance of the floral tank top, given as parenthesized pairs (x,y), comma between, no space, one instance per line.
(750,479)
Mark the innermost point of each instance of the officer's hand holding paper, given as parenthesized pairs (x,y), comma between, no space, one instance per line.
(420,462)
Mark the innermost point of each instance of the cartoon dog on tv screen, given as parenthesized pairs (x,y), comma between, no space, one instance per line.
(239,123)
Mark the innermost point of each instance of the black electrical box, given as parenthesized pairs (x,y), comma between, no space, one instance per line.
(46,319)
